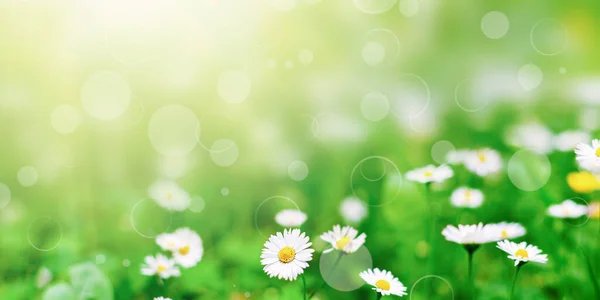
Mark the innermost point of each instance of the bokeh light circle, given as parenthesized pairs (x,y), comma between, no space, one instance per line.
(562,70)
(440,150)
(271,63)
(234,86)
(373,53)
(374,6)
(466,98)
(197,204)
(494,24)
(306,56)
(264,215)
(148,219)
(375,106)
(65,119)
(530,77)
(225,192)
(578,222)
(173,130)
(433,277)
(381,47)
(44,234)
(100,259)
(106,95)
(5,195)
(409,8)
(548,37)
(412,101)
(298,170)
(372,172)
(224,152)
(341,271)
(528,170)
(27,176)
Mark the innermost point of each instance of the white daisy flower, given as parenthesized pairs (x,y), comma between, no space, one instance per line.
(483,162)
(383,282)
(286,255)
(588,156)
(467,234)
(466,197)
(162,298)
(353,210)
(533,136)
(567,209)
(456,157)
(503,230)
(568,140)
(169,195)
(190,249)
(290,218)
(168,242)
(343,239)
(522,252)
(161,266)
(430,173)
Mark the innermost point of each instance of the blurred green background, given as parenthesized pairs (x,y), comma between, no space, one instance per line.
(288,98)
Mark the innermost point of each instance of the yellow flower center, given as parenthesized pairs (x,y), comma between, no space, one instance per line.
(522,253)
(161,268)
(169,196)
(428,174)
(598,152)
(184,250)
(504,234)
(481,156)
(341,243)
(467,196)
(383,284)
(286,254)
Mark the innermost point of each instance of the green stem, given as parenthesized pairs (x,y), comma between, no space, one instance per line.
(379,295)
(335,264)
(304,283)
(591,274)
(471,285)
(432,233)
(471,250)
(512,290)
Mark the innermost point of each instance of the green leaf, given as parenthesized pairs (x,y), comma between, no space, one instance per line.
(60,291)
(90,282)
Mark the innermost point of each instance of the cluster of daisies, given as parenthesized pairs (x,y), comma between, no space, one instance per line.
(185,247)
(471,236)
(486,161)
(286,254)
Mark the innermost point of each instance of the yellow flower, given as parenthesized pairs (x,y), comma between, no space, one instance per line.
(583,182)
(594,209)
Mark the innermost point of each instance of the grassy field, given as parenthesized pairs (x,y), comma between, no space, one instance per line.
(246,108)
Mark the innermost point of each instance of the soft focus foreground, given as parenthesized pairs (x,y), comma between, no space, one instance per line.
(152,148)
